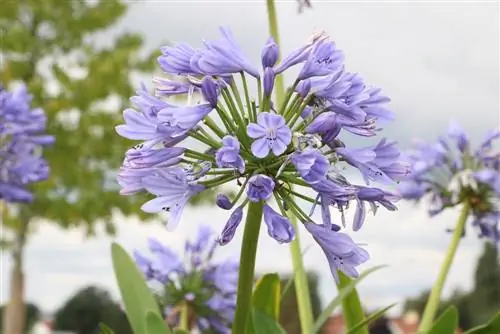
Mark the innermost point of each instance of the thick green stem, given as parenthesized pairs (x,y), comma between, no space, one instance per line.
(351,306)
(184,321)
(300,277)
(435,297)
(247,266)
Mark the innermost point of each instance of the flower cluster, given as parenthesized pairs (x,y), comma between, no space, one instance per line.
(452,173)
(267,148)
(207,288)
(21,137)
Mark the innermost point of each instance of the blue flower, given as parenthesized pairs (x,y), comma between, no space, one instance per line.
(21,140)
(278,227)
(228,136)
(311,165)
(228,155)
(341,252)
(225,56)
(173,190)
(270,53)
(260,188)
(271,134)
(212,300)
(450,173)
(231,226)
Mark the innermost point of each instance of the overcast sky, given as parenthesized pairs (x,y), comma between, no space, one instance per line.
(437,61)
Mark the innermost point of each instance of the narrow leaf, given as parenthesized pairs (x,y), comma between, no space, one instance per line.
(287,285)
(493,327)
(374,316)
(447,323)
(352,310)
(155,324)
(338,299)
(266,295)
(263,323)
(136,295)
(104,329)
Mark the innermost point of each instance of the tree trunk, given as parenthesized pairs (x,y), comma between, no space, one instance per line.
(14,318)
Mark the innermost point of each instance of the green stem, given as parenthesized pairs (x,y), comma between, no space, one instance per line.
(247,266)
(184,321)
(247,98)
(352,310)
(300,277)
(435,297)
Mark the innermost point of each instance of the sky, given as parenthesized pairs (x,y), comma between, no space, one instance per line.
(437,61)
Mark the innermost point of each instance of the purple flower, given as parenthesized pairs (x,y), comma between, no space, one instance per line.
(144,125)
(332,193)
(301,54)
(231,226)
(456,132)
(210,91)
(177,59)
(278,227)
(213,300)
(260,188)
(268,82)
(379,163)
(223,202)
(166,87)
(270,53)
(173,191)
(311,165)
(271,134)
(372,196)
(341,252)
(324,59)
(224,56)
(21,138)
(179,120)
(228,155)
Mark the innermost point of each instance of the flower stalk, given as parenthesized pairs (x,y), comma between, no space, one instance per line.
(300,277)
(247,266)
(435,296)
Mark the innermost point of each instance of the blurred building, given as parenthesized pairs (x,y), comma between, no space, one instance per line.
(407,324)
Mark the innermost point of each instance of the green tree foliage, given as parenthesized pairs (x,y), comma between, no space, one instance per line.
(477,306)
(32,316)
(52,46)
(83,312)
(289,316)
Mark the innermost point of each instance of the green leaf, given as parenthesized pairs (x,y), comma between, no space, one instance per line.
(288,285)
(136,295)
(493,327)
(447,323)
(104,329)
(155,324)
(338,299)
(180,331)
(263,323)
(266,295)
(374,316)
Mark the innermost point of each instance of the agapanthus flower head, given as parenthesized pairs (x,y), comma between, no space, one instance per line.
(265,148)
(207,286)
(21,140)
(450,173)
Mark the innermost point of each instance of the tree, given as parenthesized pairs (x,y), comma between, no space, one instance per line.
(83,312)
(32,315)
(475,307)
(484,300)
(289,315)
(50,45)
